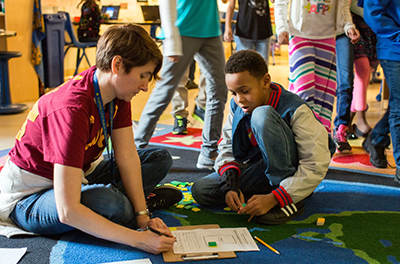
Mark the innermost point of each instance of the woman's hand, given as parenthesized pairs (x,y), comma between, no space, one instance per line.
(155,243)
(142,221)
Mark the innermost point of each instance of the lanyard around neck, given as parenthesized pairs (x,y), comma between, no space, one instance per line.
(100,107)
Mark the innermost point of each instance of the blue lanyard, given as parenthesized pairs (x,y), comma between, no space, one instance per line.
(100,107)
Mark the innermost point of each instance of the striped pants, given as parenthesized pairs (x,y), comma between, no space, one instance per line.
(313,74)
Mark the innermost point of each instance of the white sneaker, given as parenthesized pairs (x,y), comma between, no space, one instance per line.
(205,163)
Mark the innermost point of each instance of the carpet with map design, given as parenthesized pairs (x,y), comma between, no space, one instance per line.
(361,222)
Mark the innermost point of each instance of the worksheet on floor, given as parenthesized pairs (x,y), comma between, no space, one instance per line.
(213,240)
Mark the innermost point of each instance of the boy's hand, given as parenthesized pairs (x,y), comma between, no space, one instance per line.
(259,204)
(234,200)
(354,35)
(283,38)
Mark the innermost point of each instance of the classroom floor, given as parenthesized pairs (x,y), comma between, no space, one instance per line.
(10,124)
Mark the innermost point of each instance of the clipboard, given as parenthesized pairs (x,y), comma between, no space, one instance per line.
(169,256)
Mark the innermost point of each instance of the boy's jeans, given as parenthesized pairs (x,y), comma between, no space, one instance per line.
(278,147)
(38,213)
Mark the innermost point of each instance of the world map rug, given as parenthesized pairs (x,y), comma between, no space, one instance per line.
(361,212)
(361,226)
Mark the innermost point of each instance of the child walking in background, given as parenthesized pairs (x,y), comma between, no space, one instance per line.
(274,151)
(313,27)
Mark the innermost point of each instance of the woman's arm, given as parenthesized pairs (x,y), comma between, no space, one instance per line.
(67,190)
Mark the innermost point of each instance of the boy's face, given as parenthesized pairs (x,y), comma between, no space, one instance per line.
(248,92)
(129,85)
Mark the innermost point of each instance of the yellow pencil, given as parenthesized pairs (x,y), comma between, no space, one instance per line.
(251,217)
(268,246)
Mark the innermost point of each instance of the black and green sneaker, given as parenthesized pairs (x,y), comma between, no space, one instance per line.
(180,126)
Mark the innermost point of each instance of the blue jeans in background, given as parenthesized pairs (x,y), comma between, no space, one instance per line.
(345,79)
(262,46)
(104,195)
(280,160)
(391,69)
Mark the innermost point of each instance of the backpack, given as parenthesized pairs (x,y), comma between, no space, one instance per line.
(89,24)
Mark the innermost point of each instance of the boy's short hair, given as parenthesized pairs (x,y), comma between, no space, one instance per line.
(247,60)
(133,44)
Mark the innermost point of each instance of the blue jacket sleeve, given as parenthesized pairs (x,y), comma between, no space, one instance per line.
(377,17)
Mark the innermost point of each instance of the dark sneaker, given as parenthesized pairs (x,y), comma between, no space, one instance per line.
(397,176)
(163,197)
(340,139)
(280,215)
(377,155)
(180,126)
(191,85)
(199,113)
(351,135)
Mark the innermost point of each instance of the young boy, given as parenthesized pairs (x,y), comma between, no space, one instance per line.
(274,151)
(50,184)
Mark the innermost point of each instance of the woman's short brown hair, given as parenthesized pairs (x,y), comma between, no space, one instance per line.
(133,44)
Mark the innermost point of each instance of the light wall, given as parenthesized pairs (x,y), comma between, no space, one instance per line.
(19,15)
(23,80)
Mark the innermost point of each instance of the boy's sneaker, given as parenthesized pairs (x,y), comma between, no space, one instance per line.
(377,155)
(163,197)
(340,139)
(199,113)
(280,215)
(180,126)
(205,163)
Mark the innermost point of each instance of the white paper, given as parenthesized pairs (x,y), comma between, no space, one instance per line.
(11,255)
(136,261)
(227,239)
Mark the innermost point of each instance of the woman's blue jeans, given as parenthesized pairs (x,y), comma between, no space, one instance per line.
(105,195)
(280,160)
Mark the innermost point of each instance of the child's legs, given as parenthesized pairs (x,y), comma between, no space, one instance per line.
(243,43)
(262,46)
(164,90)
(345,78)
(180,99)
(211,60)
(361,81)
(207,190)
(276,142)
(201,98)
(325,80)
(302,69)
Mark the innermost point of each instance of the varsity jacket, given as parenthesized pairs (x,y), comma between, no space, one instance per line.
(314,145)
